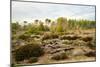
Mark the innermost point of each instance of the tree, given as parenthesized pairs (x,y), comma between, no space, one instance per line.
(47,21)
(62,24)
(61,20)
(15,27)
(41,26)
(53,27)
(36,21)
(25,22)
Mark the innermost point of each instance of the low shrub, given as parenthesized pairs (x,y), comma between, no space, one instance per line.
(92,44)
(33,59)
(27,51)
(13,37)
(24,36)
(69,37)
(86,39)
(49,36)
(91,54)
(79,43)
(59,56)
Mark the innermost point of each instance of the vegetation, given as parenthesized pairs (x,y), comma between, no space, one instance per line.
(24,36)
(60,56)
(52,40)
(27,51)
(33,59)
(59,25)
(49,36)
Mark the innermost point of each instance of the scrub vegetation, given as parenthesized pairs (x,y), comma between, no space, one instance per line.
(53,41)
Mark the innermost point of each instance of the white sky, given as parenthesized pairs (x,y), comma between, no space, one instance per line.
(29,11)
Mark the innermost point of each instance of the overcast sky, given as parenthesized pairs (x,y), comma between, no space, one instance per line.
(30,11)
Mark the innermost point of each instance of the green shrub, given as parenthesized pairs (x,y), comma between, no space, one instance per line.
(24,36)
(27,51)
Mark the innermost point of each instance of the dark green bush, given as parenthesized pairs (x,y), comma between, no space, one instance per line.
(27,51)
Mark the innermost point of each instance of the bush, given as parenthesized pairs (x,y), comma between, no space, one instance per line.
(49,36)
(91,54)
(24,36)
(33,59)
(13,37)
(86,39)
(69,37)
(14,65)
(27,51)
(59,56)
(92,44)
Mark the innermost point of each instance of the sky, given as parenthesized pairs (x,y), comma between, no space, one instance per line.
(29,11)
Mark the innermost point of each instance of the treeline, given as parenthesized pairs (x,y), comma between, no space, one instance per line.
(61,24)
